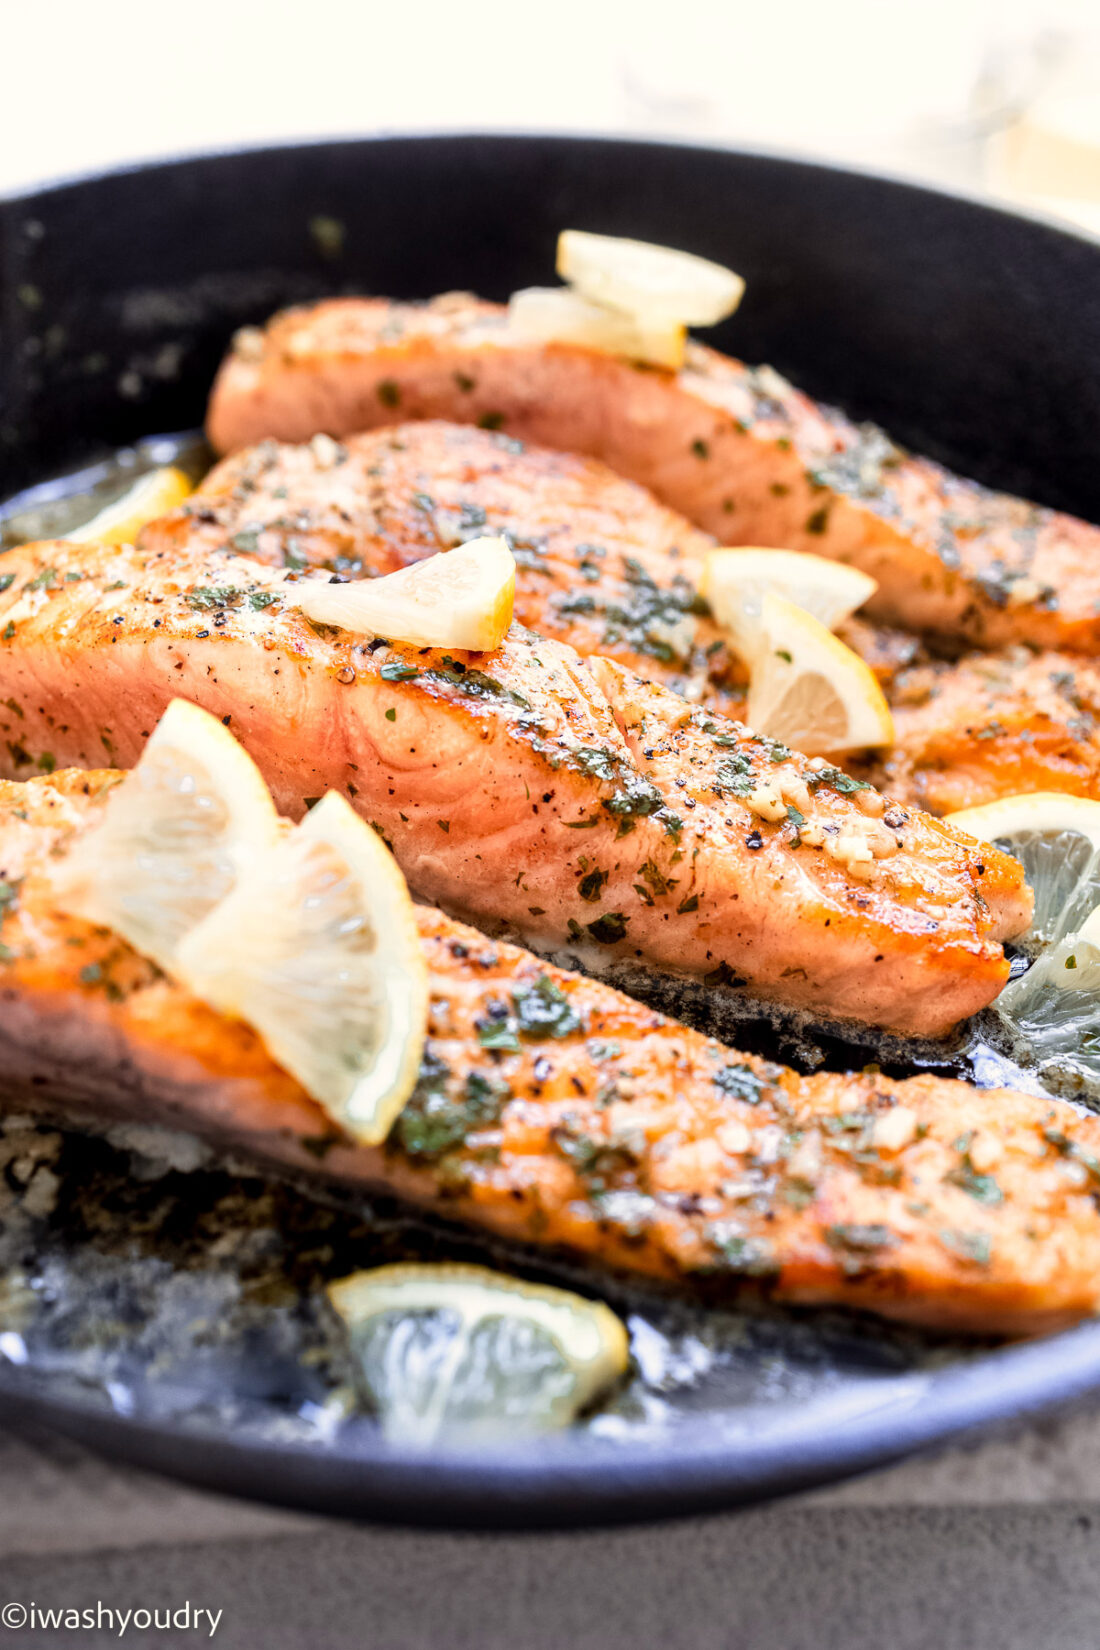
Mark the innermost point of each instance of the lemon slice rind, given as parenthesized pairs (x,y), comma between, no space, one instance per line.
(318,948)
(589,1339)
(658,283)
(735,581)
(1057,839)
(461,598)
(173,838)
(119,522)
(806,688)
(1031,811)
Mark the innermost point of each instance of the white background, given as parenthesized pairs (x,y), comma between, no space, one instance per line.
(905,86)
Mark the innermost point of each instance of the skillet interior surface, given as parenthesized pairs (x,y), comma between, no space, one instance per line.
(972,334)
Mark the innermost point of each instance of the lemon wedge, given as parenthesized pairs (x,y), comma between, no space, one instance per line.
(174,836)
(317,947)
(1053,1010)
(646,280)
(806,688)
(555,315)
(459,598)
(735,582)
(1056,838)
(471,1353)
(152,495)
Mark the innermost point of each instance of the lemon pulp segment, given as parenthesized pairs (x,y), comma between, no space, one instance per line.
(807,689)
(173,838)
(318,948)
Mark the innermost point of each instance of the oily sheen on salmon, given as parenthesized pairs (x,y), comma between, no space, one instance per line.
(602,565)
(581,807)
(552,1109)
(736,449)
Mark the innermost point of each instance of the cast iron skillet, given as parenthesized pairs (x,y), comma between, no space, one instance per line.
(971,333)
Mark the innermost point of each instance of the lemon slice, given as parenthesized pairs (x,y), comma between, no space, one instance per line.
(735,582)
(646,280)
(174,836)
(1056,838)
(317,947)
(152,495)
(554,315)
(1053,1010)
(459,598)
(806,688)
(463,1351)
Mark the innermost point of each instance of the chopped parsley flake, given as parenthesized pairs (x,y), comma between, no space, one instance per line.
(740,1083)
(395,670)
(543,1010)
(434,1121)
(972,1246)
(608,929)
(591,886)
(747,1256)
(499,1034)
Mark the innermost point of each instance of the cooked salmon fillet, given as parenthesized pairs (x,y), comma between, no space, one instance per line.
(600,564)
(552,1109)
(513,789)
(992,725)
(736,449)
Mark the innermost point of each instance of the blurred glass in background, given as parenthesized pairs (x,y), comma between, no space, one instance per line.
(1001,95)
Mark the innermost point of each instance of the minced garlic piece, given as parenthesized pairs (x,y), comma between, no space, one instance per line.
(766,802)
(849,848)
(326,452)
(734,1138)
(793,789)
(804,1162)
(870,803)
(894,1130)
(856,842)
(1021,592)
(814,833)
(985,1152)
